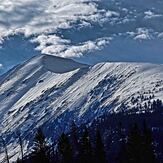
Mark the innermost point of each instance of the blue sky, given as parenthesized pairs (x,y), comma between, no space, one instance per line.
(88,31)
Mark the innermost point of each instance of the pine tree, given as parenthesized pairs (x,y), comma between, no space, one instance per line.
(6,150)
(74,141)
(18,161)
(65,149)
(21,145)
(40,148)
(138,148)
(148,152)
(99,149)
(122,156)
(131,151)
(85,149)
(134,145)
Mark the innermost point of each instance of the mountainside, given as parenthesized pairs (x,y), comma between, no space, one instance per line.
(50,92)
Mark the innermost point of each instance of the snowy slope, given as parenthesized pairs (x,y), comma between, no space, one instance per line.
(50,92)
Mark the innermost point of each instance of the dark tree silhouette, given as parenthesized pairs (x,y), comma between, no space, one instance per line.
(6,151)
(148,152)
(65,149)
(21,145)
(122,156)
(40,148)
(138,148)
(134,145)
(86,148)
(99,149)
(74,141)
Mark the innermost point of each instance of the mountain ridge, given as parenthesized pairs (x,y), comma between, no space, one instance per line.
(32,96)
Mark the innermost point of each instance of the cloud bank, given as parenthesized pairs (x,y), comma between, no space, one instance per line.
(74,28)
(41,19)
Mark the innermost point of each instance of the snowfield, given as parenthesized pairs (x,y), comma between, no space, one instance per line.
(50,92)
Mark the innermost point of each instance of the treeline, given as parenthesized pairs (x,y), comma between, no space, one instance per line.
(110,138)
(74,147)
(86,147)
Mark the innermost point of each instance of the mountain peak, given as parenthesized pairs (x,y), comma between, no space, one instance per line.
(60,65)
(50,91)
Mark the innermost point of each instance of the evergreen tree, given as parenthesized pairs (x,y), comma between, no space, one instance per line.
(65,149)
(40,148)
(74,141)
(122,156)
(99,149)
(6,150)
(21,145)
(85,149)
(134,145)
(138,148)
(18,160)
(148,152)
(131,151)
(56,157)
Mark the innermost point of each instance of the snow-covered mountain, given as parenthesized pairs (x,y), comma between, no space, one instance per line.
(116,47)
(50,92)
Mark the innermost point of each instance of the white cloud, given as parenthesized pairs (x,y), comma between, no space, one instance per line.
(149,14)
(50,44)
(1,66)
(141,34)
(89,46)
(112,14)
(53,44)
(35,17)
(160,35)
(41,18)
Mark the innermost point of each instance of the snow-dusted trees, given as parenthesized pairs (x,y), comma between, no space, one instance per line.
(39,154)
